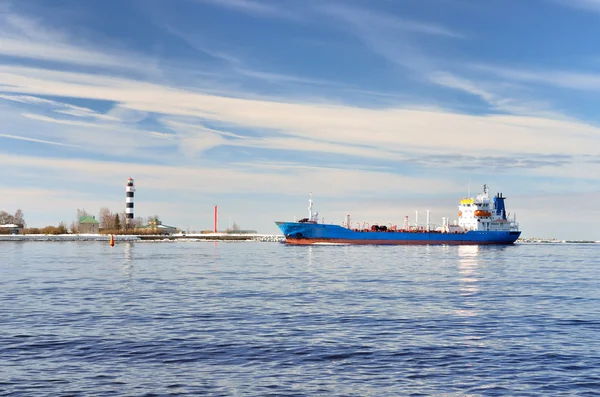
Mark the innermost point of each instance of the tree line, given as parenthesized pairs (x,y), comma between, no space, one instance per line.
(9,219)
(113,222)
(109,222)
(18,219)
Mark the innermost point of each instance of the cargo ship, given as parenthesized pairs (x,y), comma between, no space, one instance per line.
(481,220)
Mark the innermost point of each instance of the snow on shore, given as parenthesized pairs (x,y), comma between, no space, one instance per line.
(174,237)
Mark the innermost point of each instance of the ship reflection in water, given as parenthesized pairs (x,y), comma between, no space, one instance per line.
(468,264)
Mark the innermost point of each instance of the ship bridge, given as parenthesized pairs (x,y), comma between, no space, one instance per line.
(483,214)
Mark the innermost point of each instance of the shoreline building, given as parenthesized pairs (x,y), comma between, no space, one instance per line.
(10,228)
(88,225)
(156,225)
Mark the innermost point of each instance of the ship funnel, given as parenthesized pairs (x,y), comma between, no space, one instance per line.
(499,206)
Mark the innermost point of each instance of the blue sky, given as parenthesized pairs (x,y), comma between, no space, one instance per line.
(379,108)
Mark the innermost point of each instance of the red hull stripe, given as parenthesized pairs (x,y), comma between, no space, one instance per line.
(312,241)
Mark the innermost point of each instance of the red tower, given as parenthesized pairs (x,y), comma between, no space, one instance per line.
(216,220)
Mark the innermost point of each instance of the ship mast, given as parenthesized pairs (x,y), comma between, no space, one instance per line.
(310,205)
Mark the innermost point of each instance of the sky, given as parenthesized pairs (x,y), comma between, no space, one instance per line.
(378,108)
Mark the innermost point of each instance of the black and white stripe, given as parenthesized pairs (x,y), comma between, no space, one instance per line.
(129,190)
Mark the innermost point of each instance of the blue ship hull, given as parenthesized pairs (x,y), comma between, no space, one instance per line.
(307,233)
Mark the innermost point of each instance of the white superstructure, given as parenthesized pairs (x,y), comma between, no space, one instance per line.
(485,214)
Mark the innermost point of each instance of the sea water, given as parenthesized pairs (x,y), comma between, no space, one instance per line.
(266,319)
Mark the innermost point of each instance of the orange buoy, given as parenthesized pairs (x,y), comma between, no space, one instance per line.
(112,240)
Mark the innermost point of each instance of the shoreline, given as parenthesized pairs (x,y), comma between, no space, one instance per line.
(141,238)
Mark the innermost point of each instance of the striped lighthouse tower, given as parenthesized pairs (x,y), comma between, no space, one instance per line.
(129,190)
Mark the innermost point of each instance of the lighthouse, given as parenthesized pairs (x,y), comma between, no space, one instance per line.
(129,190)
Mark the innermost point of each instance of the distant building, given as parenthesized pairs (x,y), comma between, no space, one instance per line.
(88,225)
(155,224)
(10,229)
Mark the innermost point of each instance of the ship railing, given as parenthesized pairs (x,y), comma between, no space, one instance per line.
(433,228)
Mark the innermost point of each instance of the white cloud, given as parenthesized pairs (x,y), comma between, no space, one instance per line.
(257,8)
(390,130)
(494,93)
(92,136)
(237,68)
(389,36)
(28,38)
(590,5)
(365,18)
(59,107)
(557,78)
(81,175)
(452,81)
(60,121)
(22,138)
(194,139)
(23,48)
(277,77)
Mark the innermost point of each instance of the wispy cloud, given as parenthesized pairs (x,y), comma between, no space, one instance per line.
(59,107)
(91,136)
(365,18)
(60,121)
(286,78)
(389,130)
(590,5)
(196,138)
(391,36)
(370,133)
(236,67)
(452,81)
(200,43)
(494,94)
(257,8)
(387,35)
(27,38)
(557,78)
(22,138)
(332,182)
